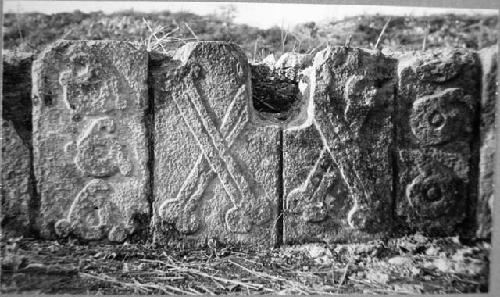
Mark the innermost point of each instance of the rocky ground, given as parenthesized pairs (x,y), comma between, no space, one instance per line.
(409,265)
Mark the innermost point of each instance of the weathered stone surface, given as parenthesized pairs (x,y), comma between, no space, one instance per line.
(337,167)
(16,92)
(17,189)
(489,99)
(89,139)
(16,183)
(437,112)
(216,171)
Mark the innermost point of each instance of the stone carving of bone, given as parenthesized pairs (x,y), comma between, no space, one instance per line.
(98,153)
(215,160)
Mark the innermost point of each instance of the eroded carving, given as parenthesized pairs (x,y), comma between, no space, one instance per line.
(88,123)
(441,68)
(98,152)
(442,117)
(216,160)
(319,193)
(436,127)
(351,93)
(436,197)
(89,215)
(89,87)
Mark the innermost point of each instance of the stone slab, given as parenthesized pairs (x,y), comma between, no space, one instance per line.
(216,171)
(16,92)
(16,183)
(489,101)
(337,165)
(89,139)
(438,96)
(17,189)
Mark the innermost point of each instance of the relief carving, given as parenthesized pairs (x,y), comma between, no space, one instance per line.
(91,216)
(215,160)
(310,199)
(436,197)
(98,153)
(443,117)
(89,87)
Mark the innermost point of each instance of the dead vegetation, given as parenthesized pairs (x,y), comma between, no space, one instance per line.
(410,265)
(33,31)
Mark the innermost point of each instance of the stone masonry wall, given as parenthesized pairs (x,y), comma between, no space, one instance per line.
(199,145)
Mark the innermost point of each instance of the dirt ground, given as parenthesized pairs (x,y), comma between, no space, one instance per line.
(409,265)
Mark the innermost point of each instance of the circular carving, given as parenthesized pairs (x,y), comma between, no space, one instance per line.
(99,154)
(436,195)
(433,193)
(441,118)
(238,221)
(436,119)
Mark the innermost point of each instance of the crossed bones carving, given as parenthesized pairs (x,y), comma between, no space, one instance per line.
(215,160)
(315,192)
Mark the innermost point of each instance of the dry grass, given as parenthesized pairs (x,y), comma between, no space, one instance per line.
(160,39)
(49,267)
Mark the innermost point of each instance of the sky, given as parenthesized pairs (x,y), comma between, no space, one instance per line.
(262,15)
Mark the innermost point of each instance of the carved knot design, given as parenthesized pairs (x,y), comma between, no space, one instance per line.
(441,118)
(90,213)
(98,153)
(90,87)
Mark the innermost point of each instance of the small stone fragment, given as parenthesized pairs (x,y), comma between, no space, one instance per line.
(378,276)
(399,260)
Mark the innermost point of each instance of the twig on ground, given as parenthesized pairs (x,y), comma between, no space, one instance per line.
(381,34)
(426,33)
(344,275)
(348,41)
(192,32)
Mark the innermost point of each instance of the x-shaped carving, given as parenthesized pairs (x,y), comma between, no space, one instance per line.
(315,192)
(215,160)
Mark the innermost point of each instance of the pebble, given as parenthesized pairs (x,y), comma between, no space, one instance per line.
(377,276)
(432,251)
(400,260)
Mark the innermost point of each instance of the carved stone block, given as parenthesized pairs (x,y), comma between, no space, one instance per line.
(90,146)
(489,99)
(216,172)
(337,165)
(16,183)
(436,121)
